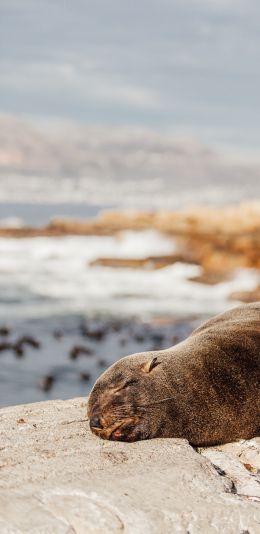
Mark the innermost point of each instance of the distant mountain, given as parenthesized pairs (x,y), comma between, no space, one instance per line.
(112,164)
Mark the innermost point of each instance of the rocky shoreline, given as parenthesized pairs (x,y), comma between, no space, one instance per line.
(220,240)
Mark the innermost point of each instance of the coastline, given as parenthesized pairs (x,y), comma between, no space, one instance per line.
(143,280)
(235,231)
(219,240)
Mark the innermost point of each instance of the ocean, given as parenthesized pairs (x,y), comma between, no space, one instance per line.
(50,292)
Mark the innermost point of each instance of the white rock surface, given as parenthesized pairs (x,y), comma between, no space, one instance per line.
(56,477)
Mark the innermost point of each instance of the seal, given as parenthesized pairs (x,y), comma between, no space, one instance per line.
(205,389)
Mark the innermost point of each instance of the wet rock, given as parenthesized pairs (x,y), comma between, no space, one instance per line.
(211,277)
(30,341)
(85,377)
(157,338)
(79,350)
(4,331)
(96,334)
(19,346)
(5,346)
(18,349)
(151,262)
(102,363)
(57,334)
(139,338)
(246,296)
(116,326)
(47,383)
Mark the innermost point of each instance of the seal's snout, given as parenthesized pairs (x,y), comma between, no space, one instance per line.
(95,422)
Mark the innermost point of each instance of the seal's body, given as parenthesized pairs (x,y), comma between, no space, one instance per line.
(205,389)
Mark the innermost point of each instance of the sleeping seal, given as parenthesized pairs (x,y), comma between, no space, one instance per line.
(205,389)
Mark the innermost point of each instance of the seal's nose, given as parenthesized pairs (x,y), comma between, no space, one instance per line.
(95,422)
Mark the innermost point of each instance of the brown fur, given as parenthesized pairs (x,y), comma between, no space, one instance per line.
(205,389)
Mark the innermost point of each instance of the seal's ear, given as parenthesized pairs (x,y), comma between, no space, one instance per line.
(150,365)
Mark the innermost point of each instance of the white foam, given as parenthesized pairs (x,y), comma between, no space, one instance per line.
(43,276)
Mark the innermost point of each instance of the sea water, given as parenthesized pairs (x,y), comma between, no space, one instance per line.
(48,286)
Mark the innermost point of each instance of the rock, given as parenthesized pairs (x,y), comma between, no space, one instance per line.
(29,340)
(18,346)
(57,334)
(157,337)
(57,477)
(102,363)
(211,277)
(243,483)
(5,346)
(18,350)
(246,296)
(5,331)
(47,383)
(94,333)
(85,377)
(151,262)
(218,239)
(139,338)
(116,326)
(77,350)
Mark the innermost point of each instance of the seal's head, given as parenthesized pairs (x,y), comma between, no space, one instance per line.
(122,405)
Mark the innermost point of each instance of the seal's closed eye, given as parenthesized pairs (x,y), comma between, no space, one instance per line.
(130,382)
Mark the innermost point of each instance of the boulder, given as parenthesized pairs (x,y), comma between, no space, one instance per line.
(56,477)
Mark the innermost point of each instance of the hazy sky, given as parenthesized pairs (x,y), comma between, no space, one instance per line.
(185,66)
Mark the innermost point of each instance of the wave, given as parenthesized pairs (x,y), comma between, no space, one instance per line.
(46,276)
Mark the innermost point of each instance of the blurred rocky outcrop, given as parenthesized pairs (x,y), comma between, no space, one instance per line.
(220,240)
(217,239)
